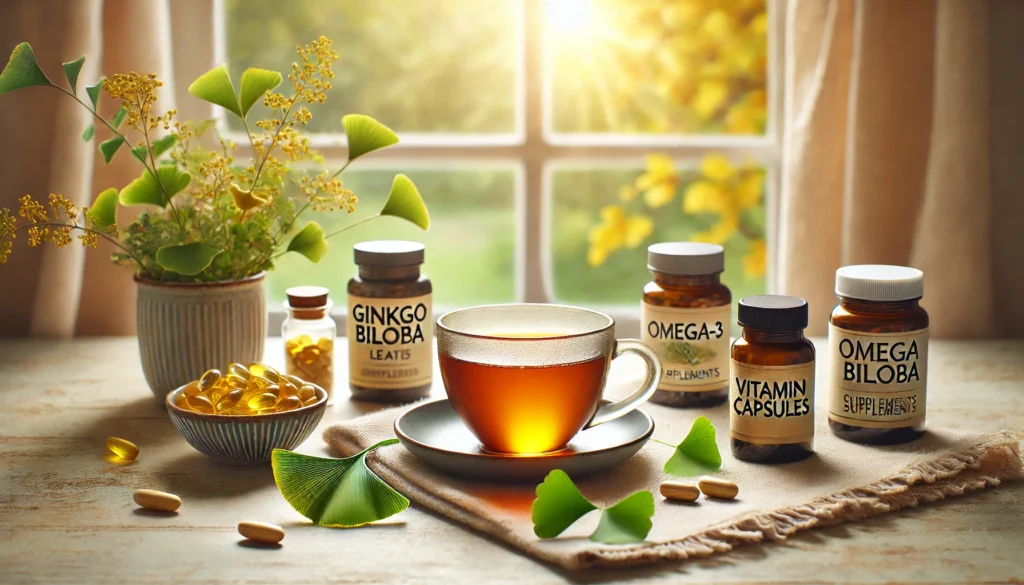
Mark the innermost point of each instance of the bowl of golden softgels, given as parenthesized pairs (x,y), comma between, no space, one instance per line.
(239,415)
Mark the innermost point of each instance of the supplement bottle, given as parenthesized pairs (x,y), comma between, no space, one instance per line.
(390,328)
(771,390)
(878,355)
(685,317)
(308,332)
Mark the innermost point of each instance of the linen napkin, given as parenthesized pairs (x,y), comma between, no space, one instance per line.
(842,482)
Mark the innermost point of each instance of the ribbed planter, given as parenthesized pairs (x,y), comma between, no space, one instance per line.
(186,329)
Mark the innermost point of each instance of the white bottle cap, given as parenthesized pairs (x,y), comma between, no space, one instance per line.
(686,258)
(879,282)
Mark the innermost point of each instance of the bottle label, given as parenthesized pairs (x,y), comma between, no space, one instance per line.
(693,345)
(877,380)
(771,405)
(390,342)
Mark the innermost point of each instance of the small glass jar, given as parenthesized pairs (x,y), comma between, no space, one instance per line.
(878,355)
(390,328)
(309,333)
(686,317)
(771,390)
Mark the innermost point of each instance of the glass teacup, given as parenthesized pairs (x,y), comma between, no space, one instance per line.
(526,378)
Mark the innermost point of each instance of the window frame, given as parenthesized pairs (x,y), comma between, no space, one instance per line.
(534,153)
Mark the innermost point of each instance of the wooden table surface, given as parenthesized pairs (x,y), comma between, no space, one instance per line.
(67,516)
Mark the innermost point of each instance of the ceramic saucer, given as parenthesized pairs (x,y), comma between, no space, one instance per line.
(435,434)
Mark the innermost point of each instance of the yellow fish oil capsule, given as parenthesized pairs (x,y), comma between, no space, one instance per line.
(306,392)
(261,532)
(123,448)
(157,500)
(229,400)
(239,370)
(209,380)
(288,403)
(258,369)
(181,400)
(309,401)
(192,388)
(200,403)
(262,401)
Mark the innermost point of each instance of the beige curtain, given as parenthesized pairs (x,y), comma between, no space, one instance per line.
(896,152)
(73,291)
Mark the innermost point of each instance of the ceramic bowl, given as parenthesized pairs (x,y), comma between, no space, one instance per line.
(246,440)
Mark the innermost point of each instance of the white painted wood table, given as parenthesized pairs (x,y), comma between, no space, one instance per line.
(67,516)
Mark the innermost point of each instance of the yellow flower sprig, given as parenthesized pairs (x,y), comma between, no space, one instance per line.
(54,225)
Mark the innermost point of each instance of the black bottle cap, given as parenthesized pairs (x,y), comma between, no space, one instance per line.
(774,313)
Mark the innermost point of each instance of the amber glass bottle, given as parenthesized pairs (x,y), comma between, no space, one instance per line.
(878,355)
(771,390)
(685,317)
(390,328)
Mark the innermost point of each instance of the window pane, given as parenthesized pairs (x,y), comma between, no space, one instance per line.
(416,65)
(470,244)
(658,66)
(602,224)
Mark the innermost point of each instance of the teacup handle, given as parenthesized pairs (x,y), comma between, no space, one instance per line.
(616,409)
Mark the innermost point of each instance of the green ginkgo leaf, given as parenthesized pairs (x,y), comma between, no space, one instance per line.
(255,84)
(160,146)
(698,453)
(335,492)
(71,71)
(215,87)
(559,504)
(626,522)
(94,92)
(146,191)
(309,242)
(103,212)
(187,259)
(405,202)
(22,70)
(364,134)
(110,147)
(118,117)
(89,131)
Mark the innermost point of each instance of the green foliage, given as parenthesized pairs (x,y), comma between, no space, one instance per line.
(147,191)
(309,242)
(160,146)
(559,504)
(365,135)
(22,70)
(215,87)
(405,202)
(103,212)
(89,131)
(110,147)
(335,492)
(187,259)
(698,453)
(255,84)
(118,117)
(71,71)
(94,92)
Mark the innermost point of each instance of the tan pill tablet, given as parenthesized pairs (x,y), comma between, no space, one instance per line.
(675,490)
(718,488)
(156,500)
(261,532)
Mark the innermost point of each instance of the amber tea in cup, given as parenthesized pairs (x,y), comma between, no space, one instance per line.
(526,378)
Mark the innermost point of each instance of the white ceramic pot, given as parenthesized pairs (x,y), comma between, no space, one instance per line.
(186,329)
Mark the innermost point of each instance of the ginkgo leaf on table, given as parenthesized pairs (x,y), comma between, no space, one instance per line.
(697,454)
(335,492)
(559,504)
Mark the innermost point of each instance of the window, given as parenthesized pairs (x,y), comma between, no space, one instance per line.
(552,139)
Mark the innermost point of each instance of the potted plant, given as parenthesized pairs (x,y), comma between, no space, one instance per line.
(210,226)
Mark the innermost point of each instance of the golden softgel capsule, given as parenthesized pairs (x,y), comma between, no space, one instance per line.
(123,448)
(246,391)
(157,500)
(261,532)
